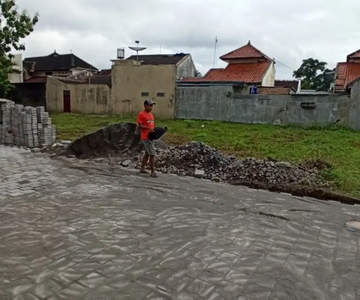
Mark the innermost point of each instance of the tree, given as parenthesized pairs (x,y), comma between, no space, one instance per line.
(197,73)
(14,26)
(314,75)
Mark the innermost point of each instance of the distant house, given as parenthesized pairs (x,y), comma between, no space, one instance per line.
(37,68)
(347,72)
(31,75)
(183,62)
(123,89)
(293,84)
(246,64)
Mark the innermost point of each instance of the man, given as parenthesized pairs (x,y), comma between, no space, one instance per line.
(145,121)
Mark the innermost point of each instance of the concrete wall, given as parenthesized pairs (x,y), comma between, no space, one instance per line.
(269,77)
(132,84)
(220,103)
(85,98)
(17,77)
(354,114)
(186,68)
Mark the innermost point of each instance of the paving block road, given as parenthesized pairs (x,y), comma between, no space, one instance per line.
(73,229)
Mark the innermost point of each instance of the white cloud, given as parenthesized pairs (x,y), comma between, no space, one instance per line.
(288,31)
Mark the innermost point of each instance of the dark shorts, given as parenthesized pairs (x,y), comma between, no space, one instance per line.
(149,147)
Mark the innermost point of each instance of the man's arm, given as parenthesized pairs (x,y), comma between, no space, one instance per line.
(145,127)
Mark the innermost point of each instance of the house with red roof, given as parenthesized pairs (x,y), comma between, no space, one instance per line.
(347,72)
(246,64)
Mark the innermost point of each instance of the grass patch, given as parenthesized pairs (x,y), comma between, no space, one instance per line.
(336,145)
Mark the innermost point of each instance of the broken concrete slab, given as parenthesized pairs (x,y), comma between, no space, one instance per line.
(199,173)
(126,163)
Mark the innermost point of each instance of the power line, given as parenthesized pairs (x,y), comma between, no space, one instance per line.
(279,62)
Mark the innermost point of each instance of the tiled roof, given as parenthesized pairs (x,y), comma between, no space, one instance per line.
(159,59)
(355,54)
(55,62)
(248,73)
(287,83)
(105,72)
(247,51)
(346,73)
(95,79)
(36,79)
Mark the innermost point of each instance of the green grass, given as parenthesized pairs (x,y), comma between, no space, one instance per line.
(336,145)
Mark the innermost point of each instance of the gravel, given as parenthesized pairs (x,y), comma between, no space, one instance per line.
(199,160)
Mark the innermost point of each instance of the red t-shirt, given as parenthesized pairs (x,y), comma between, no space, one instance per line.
(146,119)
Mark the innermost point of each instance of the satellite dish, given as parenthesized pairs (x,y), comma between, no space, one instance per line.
(137,49)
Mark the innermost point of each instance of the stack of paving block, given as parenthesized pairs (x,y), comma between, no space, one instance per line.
(25,126)
(47,130)
(7,137)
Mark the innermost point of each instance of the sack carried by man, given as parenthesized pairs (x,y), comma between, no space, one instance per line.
(158,133)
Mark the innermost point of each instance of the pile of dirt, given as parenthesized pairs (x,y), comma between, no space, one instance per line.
(116,140)
(198,158)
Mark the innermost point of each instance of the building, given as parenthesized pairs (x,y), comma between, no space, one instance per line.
(30,77)
(246,64)
(293,84)
(184,63)
(123,89)
(37,68)
(347,72)
(17,75)
(79,93)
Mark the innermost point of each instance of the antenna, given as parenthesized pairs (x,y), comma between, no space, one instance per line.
(137,49)
(216,40)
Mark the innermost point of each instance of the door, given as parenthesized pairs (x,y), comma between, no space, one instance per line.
(67,102)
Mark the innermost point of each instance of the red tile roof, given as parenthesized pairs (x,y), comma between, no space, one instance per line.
(247,51)
(346,73)
(247,72)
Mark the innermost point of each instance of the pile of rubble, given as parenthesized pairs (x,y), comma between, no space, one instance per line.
(199,160)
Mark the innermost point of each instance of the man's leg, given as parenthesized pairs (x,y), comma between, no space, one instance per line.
(144,162)
(152,165)
(152,158)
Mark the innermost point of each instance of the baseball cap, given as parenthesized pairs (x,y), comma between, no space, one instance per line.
(149,102)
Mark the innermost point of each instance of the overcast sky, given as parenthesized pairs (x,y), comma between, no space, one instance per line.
(288,31)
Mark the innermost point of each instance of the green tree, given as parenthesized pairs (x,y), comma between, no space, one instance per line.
(314,75)
(14,26)
(197,73)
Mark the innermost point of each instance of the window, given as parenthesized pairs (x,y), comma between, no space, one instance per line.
(144,94)
(160,95)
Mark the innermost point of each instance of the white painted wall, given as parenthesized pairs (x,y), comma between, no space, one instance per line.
(269,77)
(16,77)
(186,68)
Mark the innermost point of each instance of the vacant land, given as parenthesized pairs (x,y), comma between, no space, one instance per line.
(335,145)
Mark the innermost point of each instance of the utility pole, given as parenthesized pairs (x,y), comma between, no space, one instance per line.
(216,40)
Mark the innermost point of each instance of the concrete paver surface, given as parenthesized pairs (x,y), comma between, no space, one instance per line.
(79,231)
